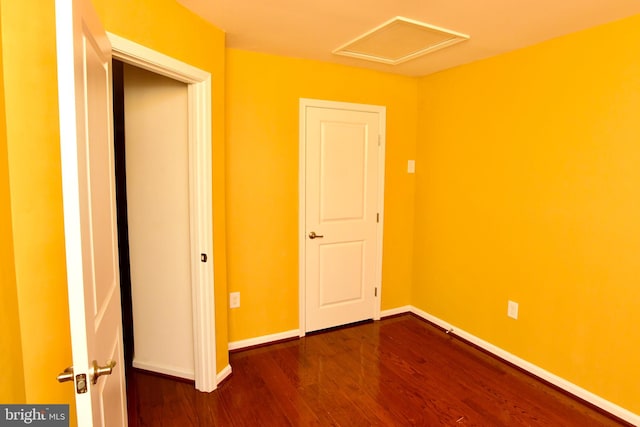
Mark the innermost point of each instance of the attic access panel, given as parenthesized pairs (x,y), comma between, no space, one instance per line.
(399,40)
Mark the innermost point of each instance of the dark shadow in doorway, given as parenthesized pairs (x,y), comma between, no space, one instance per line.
(121,208)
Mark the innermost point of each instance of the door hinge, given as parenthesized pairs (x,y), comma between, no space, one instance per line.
(375,292)
(377,217)
(203,257)
(379,140)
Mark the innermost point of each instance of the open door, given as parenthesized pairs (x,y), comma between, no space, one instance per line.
(86,148)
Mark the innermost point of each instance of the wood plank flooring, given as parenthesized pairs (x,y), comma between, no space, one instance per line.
(400,371)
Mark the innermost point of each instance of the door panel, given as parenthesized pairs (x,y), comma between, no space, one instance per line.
(343,171)
(86,145)
(100,223)
(341,176)
(341,276)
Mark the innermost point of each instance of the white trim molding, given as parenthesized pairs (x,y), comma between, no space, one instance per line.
(163,369)
(223,374)
(200,193)
(395,311)
(535,370)
(264,339)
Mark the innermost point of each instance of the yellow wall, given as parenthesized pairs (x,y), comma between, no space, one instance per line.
(36,199)
(263,94)
(12,384)
(167,27)
(527,189)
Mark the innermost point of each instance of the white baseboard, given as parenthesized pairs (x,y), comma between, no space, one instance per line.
(586,395)
(162,369)
(394,311)
(154,367)
(223,374)
(265,339)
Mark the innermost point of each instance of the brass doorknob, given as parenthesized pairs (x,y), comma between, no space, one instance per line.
(98,371)
(313,235)
(66,375)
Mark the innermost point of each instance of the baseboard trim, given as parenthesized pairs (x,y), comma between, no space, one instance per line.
(569,387)
(223,375)
(395,311)
(165,370)
(264,339)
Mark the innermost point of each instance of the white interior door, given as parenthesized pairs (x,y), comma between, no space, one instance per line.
(343,149)
(86,142)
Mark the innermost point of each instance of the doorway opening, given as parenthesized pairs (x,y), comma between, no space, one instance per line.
(152,184)
(199,195)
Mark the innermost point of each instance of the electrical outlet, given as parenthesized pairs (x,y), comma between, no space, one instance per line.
(512,310)
(234,299)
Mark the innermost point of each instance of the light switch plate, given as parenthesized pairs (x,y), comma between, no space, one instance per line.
(234,300)
(411,166)
(512,310)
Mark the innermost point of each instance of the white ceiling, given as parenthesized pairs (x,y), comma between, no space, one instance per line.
(314,28)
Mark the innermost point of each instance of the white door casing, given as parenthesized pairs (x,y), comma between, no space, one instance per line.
(86,148)
(341,190)
(200,194)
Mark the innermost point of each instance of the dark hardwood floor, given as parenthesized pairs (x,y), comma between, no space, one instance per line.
(400,371)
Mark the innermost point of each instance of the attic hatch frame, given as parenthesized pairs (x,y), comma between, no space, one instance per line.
(387,30)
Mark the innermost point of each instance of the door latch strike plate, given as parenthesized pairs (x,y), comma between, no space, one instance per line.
(203,257)
(81,383)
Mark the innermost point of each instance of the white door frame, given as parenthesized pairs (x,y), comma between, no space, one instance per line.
(200,194)
(302,193)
